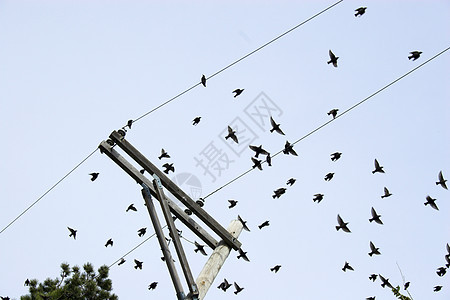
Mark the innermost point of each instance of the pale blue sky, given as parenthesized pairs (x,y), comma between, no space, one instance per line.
(73,71)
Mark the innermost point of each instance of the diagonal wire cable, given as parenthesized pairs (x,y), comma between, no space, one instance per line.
(338,116)
(239,60)
(48,191)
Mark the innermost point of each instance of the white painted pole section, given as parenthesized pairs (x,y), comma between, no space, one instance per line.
(216,261)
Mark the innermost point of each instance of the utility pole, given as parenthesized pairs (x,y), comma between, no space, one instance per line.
(155,188)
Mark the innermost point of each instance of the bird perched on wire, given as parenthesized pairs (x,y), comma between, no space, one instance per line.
(244,223)
(129,123)
(199,248)
(385,282)
(168,167)
(360,11)
(122,261)
(164,154)
(278,193)
(232,203)
(378,168)
(264,224)
(269,159)
(375,217)
(138,264)
(333,112)
(289,149)
(196,121)
(243,255)
(142,171)
(431,202)
(152,285)
(275,269)
(406,285)
(224,285)
(347,267)
(258,150)
(238,288)
(342,225)
(275,126)
(386,193)
(93,176)
(257,163)
(131,207)
(142,231)
(335,156)
(237,92)
(373,250)
(329,176)
(333,59)
(291,181)
(109,243)
(203,80)
(73,233)
(373,277)
(414,55)
(441,180)
(318,198)
(232,135)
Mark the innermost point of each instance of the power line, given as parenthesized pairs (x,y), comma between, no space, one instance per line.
(43,195)
(338,116)
(239,60)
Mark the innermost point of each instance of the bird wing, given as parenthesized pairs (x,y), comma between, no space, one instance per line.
(272,122)
(230,130)
(332,56)
(377,165)
(386,191)
(448,248)
(340,221)
(237,287)
(373,212)
(372,246)
(234,138)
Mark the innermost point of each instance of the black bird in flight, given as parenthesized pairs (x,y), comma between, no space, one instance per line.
(378,168)
(318,198)
(243,255)
(244,223)
(152,285)
(238,288)
(289,149)
(275,127)
(335,156)
(269,159)
(360,11)
(441,271)
(386,193)
(73,233)
(131,207)
(333,112)
(237,92)
(370,298)
(431,202)
(122,261)
(347,267)
(94,176)
(291,181)
(278,193)
(169,167)
(258,150)
(385,282)
(196,120)
(441,180)
(373,250)
(142,231)
(437,288)
(203,80)
(406,286)
(164,154)
(109,243)
(329,176)
(257,163)
(275,269)
(342,224)
(333,59)
(232,203)
(264,224)
(414,55)
(447,259)
(232,135)
(224,285)
(375,217)
(138,264)
(199,248)
(373,277)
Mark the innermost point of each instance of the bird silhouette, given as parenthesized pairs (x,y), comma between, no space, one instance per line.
(232,135)
(203,80)
(347,267)
(333,112)
(437,288)
(275,269)
(244,223)
(224,285)
(375,217)
(258,150)
(373,250)
(93,176)
(129,123)
(278,193)
(232,203)
(335,156)
(318,198)
(131,207)
(360,11)
(264,224)
(406,285)
(142,231)
(257,163)
(73,233)
(370,298)
(373,277)
(447,259)
(168,167)
(378,168)
(386,193)
(441,180)
(27,282)
(289,149)
(237,92)
(238,288)
(243,255)
(269,159)
(109,243)
(441,271)
(122,261)
(414,55)
(329,176)
(138,264)
(431,202)
(291,181)
(199,248)
(196,121)
(7,298)
(342,225)
(152,285)
(385,282)
(275,126)
(142,171)
(164,154)
(333,59)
